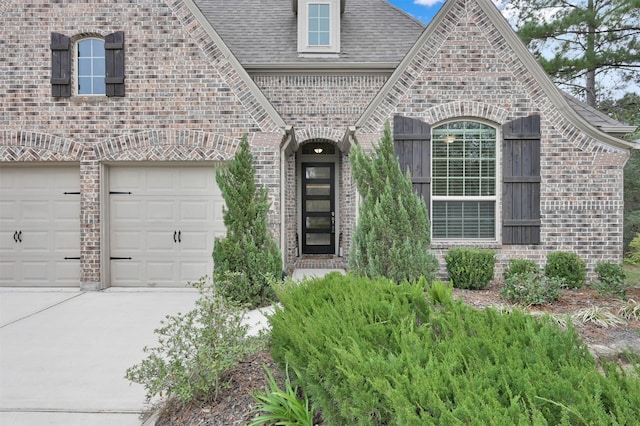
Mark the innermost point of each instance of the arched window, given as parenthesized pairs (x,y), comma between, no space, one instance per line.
(464,181)
(91,69)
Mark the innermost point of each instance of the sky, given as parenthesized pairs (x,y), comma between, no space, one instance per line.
(423,10)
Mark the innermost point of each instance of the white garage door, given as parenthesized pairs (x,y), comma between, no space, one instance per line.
(163,222)
(39,226)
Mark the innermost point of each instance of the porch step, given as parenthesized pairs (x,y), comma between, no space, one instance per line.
(302,274)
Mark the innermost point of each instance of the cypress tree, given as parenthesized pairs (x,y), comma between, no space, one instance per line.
(392,235)
(248,258)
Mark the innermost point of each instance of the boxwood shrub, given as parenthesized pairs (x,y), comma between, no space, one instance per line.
(370,352)
(470,268)
(566,265)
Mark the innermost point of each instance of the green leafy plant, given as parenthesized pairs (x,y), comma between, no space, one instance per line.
(630,310)
(278,406)
(470,268)
(531,288)
(440,292)
(566,265)
(248,259)
(612,279)
(392,236)
(195,349)
(520,266)
(372,352)
(634,251)
(599,316)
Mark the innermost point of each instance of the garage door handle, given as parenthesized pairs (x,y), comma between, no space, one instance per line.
(15,236)
(179,236)
(174,236)
(20,236)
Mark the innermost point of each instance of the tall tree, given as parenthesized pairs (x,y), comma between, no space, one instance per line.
(581,42)
(248,258)
(392,234)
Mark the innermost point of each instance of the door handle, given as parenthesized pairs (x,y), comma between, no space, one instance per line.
(174,236)
(179,236)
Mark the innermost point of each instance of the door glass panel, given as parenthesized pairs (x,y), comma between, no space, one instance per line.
(318,239)
(318,172)
(318,222)
(318,189)
(318,205)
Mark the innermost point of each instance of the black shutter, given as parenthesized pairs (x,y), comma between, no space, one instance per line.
(114,61)
(60,65)
(412,143)
(521,181)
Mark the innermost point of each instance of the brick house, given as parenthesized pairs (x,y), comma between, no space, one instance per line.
(115,115)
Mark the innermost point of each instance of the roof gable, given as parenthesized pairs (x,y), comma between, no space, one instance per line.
(363,40)
(474,27)
(232,72)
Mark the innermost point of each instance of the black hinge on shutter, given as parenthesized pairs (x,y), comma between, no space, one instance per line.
(114,61)
(521,181)
(60,65)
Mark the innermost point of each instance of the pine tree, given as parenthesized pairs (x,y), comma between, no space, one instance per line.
(248,258)
(392,235)
(580,43)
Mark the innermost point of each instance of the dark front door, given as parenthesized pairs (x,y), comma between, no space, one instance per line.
(318,212)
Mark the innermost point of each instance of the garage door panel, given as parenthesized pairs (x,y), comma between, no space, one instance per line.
(192,271)
(160,211)
(176,212)
(161,242)
(33,201)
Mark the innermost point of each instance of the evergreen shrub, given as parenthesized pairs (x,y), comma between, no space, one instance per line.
(531,288)
(370,352)
(566,265)
(470,268)
(247,260)
(392,234)
(612,279)
(520,266)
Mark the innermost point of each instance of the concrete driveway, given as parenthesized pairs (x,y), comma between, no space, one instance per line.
(63,353)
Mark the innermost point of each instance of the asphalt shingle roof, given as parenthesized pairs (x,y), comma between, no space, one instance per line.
(262,32)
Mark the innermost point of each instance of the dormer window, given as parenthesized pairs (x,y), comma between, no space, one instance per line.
(318,26)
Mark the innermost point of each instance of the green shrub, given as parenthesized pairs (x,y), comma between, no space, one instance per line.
(569,266)
(470,268)
(392,235)
(370,352)
(520,266)
(531,288)
(634,251)
(195,349)
(612,279)
(278,406)
(248,259)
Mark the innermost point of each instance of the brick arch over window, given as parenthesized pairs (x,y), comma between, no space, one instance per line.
(33,146)
(168,145)
(460,109)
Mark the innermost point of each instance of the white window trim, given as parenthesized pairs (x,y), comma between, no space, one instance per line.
(76,70)
(497,198)
(303,27)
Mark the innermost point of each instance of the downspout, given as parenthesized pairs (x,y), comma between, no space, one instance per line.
(353,142)
(283,164)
